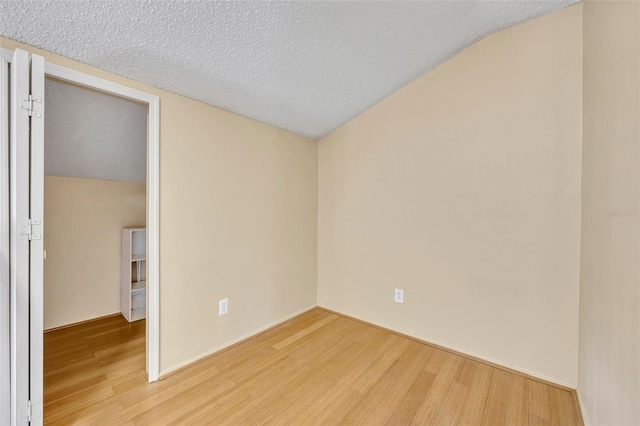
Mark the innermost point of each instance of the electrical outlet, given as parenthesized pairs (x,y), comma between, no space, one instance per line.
(399,295)
(223,306)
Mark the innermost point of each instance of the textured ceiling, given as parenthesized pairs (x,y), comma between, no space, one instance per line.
(304,66)
(92,135)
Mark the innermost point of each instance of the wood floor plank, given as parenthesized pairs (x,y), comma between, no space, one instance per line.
(188,400)
(562,408)
(380,401)
(211,413)
(534,420)
(452,405)
(330,407)
(495,413)
(510,389)
(517,405)
(411,401)
(335,404)
(476,377)
(499,389)
(300,334)
(319,368)
(300,380)
(537,395)
(146,398)
(389,350)
(446,366)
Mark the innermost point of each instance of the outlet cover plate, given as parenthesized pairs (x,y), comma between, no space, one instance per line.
(399,295)
(223,306)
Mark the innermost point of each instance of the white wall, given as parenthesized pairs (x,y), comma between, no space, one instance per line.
(610,280)
(82,236)
(463,188)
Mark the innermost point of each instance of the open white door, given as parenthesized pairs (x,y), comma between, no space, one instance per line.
(19,244)
(5,335)
(26,152)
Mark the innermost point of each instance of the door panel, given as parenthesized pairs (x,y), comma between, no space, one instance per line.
(26,196)
(5,335)
(19,238)
(36,296)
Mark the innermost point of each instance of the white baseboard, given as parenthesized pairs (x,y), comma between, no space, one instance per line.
(80,322)
(308,308)
(509,366)
(464,352)
(234,341)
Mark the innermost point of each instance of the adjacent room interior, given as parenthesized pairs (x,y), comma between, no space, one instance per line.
(464,250)
(95,210)
(95,174)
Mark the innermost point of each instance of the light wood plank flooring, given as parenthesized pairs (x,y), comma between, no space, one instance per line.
(319,368)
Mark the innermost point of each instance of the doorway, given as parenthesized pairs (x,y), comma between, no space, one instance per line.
(95,157)
(32,379)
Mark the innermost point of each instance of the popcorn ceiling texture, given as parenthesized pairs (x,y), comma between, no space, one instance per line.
(307,67)
(92,135)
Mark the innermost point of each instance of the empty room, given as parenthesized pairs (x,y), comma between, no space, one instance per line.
(357,213)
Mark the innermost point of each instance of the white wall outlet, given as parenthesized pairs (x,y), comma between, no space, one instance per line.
(223,306)
(399,295)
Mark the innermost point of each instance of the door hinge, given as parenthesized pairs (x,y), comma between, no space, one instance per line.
(33,410)
(28,229)
(28,104)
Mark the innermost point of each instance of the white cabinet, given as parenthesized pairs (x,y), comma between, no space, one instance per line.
(134,266)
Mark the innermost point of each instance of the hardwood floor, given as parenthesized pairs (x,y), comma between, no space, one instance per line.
(319,368)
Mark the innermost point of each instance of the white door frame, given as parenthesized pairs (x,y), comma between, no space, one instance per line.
(36,248)
(153,193)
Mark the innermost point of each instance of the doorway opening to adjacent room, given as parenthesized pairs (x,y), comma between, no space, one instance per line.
(23,109)
(95,160)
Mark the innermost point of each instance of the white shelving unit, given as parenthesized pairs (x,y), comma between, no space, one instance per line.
(134,265)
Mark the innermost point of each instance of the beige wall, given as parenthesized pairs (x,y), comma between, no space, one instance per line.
(83,219)
(242,225)
(238,205)
(463,189)
(610,281)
